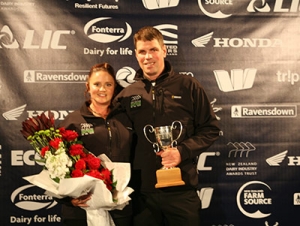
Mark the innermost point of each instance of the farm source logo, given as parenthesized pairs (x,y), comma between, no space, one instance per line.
(159,4)
(238,79)
(25,198)
(254,195)
(254,6)
(48,40)
(111,31)
(219,14)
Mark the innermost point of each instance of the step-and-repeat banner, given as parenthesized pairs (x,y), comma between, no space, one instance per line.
(245,53)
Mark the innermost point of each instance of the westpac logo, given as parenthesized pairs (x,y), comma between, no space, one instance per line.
(48,40)
(237,80)
(159,4)
(203,40)
(110,31)
(264,111)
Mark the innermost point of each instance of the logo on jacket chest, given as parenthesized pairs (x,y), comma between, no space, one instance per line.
(86,129)
(135,101)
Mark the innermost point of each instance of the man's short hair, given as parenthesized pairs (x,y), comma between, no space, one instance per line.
(148,33)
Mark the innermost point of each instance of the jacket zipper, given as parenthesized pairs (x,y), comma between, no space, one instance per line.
(110,139)
(153,102)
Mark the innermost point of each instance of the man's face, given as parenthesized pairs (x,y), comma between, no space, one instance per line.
(150,56)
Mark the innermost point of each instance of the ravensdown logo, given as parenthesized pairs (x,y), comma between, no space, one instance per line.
(55,76)
(98,32)
(159,4)
(264,111)
(238,79)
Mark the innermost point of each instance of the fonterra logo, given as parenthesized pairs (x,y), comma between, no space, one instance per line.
(106,30)
(26,198)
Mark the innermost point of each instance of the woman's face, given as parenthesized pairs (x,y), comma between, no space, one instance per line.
(101,87)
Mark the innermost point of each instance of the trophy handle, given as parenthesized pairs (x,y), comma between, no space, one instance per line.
(151,130)
(174,142)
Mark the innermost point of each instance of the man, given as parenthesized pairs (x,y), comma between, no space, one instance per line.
(158,98)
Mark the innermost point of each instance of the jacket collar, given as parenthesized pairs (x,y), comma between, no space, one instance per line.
(168,70)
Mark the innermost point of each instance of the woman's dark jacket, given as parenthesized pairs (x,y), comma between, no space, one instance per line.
(111,136)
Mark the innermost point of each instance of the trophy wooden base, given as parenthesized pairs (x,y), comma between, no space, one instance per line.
(168,177)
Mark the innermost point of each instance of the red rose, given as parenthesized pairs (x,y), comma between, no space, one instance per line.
(93,163)
(77,173)
(44,150)
(107,176)
(76,149)
(55,143)
(68,135)
(95,173)
(80,164)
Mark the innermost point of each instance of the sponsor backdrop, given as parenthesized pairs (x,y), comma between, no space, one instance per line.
(244,52)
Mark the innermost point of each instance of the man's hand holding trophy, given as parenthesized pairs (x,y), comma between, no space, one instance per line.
(169,175)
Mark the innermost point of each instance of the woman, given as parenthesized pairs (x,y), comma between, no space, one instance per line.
(103,129)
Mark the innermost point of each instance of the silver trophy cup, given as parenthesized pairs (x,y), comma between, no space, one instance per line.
(163,135)
(166,177)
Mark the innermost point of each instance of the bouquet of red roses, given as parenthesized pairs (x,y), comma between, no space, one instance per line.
(70,170)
